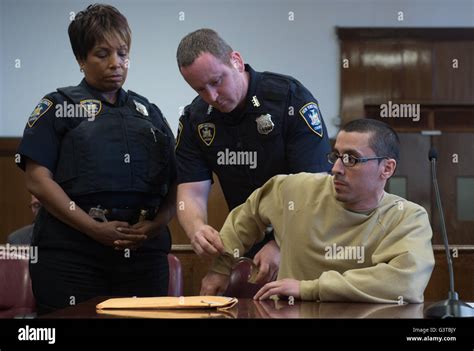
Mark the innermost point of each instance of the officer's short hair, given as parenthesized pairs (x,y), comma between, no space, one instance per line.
(95,24)
(201,41)
(383,140)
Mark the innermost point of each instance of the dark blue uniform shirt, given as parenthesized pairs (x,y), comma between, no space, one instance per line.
(280,131)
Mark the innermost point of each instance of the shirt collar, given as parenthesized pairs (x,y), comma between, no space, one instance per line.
(121,96)
(253,102)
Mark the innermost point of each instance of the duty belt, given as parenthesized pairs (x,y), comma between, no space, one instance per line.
(130,215)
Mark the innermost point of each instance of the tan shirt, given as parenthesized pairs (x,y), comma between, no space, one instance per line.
(383,256)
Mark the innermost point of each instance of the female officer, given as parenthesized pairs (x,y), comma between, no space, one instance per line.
(101,162)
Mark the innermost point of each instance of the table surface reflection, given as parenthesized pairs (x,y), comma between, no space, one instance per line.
(250,309)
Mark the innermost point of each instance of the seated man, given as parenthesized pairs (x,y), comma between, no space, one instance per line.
(23,235)
(341,236)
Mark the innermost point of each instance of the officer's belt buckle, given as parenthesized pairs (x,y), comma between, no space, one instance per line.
(98,213)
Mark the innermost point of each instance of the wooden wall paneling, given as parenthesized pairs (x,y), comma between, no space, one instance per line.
(399,33)
(455,118)
(455,85)
(14,198)
(415,166)
(382,71)
(415,77)
(352,81)
(217,206)
(448,146)
(382,64)
(463,266)
(194,268)
(407,125)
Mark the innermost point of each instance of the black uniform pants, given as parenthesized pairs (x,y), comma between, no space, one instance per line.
(72,268)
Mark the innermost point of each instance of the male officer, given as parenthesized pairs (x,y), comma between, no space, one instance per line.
(245,126)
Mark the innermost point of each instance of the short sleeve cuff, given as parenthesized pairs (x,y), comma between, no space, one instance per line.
(190,178)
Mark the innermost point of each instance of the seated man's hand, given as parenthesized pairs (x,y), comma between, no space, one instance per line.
(268,261)
(283,287)
(214,284)
(207,242)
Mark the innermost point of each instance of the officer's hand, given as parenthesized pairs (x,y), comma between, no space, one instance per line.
(214,284)
(267,260)
(206,241)
(147,228)
(108,232)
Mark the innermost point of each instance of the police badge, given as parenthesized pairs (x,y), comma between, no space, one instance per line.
(92,107)
(207,132)
(141,108)
(311,115)
(265,124)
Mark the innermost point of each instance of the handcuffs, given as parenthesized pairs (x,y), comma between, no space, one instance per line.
(252,277)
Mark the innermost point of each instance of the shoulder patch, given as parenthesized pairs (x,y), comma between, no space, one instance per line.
(43,106)
(178,135)
(311,115)
(207,132)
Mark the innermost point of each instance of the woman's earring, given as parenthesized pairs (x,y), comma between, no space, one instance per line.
(81,69)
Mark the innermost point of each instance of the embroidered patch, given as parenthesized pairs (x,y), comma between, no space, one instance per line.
(43,106)
(207,132)
(311,115)
(92,107)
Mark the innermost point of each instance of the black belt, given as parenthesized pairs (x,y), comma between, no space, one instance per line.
(130,215)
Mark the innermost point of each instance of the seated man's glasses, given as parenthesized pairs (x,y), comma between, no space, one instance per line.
(349,160)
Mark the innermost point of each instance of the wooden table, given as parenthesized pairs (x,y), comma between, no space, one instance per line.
(250,309)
